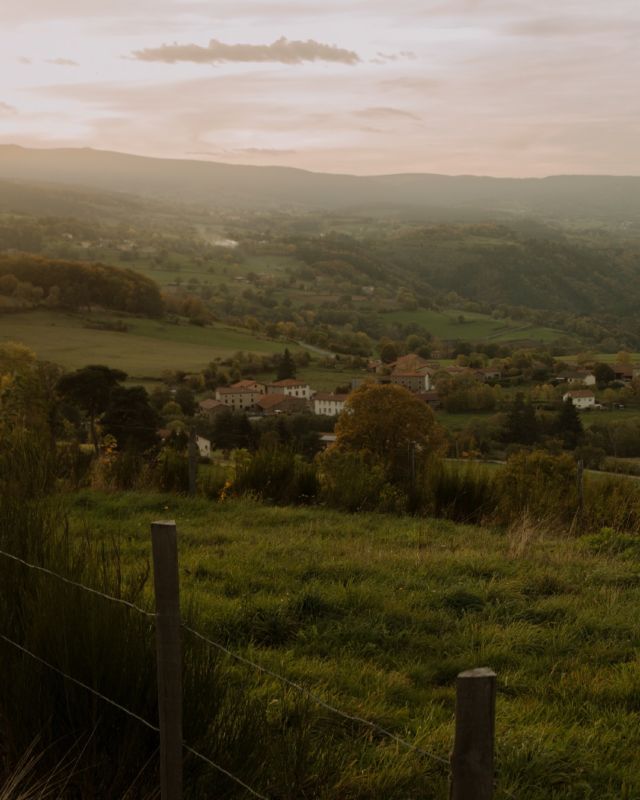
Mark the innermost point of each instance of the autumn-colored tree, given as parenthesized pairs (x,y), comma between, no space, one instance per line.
(393,425)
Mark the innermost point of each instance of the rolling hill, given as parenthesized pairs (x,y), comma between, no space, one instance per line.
(217,185)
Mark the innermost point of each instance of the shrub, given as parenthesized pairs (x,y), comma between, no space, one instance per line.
(352,480)
(276,474)
(466,493)
(538,484)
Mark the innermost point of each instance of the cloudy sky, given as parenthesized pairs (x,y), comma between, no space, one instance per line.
(498,87)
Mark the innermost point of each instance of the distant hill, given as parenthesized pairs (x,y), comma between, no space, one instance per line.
(215,185)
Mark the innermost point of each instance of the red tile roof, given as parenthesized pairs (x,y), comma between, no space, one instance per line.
(289,382)
(209,403)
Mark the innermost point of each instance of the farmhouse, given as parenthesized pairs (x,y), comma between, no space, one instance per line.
(270,404)
(328,404)
(254,386)
(238,398)
(488,374)
(625,372)
(581,398)
(578,377)
(431,398)
(210,408)
(418,381)
(291,387)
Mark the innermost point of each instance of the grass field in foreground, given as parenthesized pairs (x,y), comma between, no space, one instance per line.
(146,350)
(378,614)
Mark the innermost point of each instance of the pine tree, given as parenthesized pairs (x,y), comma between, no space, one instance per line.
(522,424)
(569,425)
(286,366)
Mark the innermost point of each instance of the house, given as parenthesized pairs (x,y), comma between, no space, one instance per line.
(210,408)
(583,377)
(418,381)
(581,398)
(328,404)
(204,447)
(249,383)
(238,398)
(327,439)
(430,398)
(488,374)
(409,363)
(271,404)
(625,372)
(291,387)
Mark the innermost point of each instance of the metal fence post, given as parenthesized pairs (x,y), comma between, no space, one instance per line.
(472,770)
(169,655)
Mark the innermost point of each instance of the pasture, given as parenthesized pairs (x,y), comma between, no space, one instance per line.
(469,326)
(147,349)
(377,614)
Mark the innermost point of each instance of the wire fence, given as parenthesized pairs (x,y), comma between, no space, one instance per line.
(309,694)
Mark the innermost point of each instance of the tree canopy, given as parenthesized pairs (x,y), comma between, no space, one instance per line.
(90,388)
(397,428)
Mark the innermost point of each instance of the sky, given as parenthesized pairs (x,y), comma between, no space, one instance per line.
(485,87)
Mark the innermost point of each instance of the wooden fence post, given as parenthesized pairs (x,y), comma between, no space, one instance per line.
(169,655)
(472,772)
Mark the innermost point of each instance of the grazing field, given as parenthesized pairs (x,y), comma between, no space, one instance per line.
(473,327)
(377,614)
(146,350)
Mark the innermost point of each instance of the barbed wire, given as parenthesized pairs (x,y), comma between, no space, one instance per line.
(241,659)
(77,585)
(85,686)
(224,772)
(129,713)
(315,698)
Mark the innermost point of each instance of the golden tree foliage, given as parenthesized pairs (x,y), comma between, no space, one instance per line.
(391,424)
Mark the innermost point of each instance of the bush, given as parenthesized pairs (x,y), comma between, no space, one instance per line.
(466,493)
(277,475)
(540,485)
(354,481)
(172,471)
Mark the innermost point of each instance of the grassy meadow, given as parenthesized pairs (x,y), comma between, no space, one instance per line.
(470,326)
(147,349)
(377,614)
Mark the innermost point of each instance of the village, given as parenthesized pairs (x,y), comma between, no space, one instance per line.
(583,387)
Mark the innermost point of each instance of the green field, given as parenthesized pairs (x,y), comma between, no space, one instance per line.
(474,327)
(378,614)
(146,350)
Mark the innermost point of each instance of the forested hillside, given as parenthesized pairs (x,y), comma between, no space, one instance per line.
(75,285)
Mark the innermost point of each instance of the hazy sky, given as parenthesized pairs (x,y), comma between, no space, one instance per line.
(500,87)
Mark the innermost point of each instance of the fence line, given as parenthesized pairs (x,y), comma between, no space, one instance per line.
(315,698)
(77,585)
(243,660)
(128,712)
(85,686)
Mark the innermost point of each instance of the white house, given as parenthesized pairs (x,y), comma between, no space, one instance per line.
(581,398)
(327,404)
(291,387)
(578,377)
(204,447)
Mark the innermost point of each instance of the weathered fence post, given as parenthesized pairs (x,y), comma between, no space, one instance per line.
(166,582)
(472,772)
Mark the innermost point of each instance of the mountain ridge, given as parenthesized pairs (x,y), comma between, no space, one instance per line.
(216,184)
